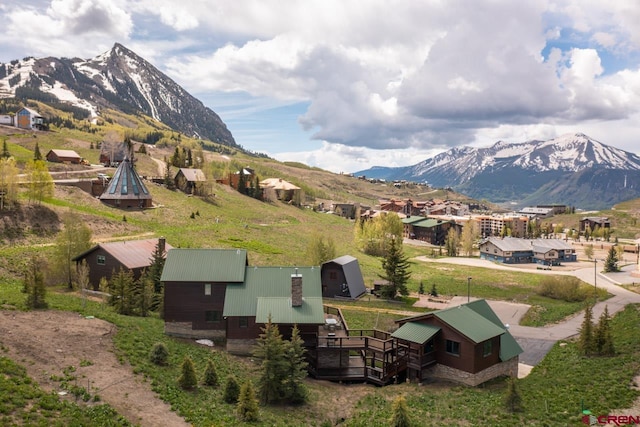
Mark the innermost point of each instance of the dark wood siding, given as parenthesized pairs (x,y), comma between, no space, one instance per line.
(190,304)
(110,266)
(234,331)
(333,287)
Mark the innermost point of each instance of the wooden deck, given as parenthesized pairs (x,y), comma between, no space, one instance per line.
(341,354)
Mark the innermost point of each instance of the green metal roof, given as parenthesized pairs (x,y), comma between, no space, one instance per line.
(415,332)
(281,311)
(422,222)
(262,282)
(470,323)
(509,347)
(205,265)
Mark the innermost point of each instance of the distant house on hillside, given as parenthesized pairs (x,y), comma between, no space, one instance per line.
(592,222)
(342,277)
(189,180)
(64,156)
(27,118)
(284,190)
(113,153)
(106,259)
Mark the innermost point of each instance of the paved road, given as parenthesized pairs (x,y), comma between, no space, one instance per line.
(536,342)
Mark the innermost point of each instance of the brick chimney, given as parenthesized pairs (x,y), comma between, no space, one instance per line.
(296,289)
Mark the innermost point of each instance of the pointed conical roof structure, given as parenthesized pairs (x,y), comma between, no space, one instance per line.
(126,189)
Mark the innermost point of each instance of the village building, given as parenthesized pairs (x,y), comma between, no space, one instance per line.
(189,180)
(342,278)
(510,250)
(106,259)
(429,230)
(591,222)
(126,189)
(26,118)
(64,156)
(113,153)
(284,190)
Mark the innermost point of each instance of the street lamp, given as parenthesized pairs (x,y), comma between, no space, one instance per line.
(595,278)
(468,289)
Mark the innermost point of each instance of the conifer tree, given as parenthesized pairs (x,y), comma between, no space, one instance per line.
(603,338)
(231,390)
(247,407)
(34,284)
(513,401)
(396,270)
(400,413)
(159,354)
(296,365)
(5,150)
(210,374)
(611,263)
(270,348)
(188,379)
(37,155)
(121,290)
(142,295)
(586,339)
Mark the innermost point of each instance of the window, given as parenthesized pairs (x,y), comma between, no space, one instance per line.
(243,322)
(333,275)
(486,351)
(428,347)
(453,347)
(212,316)
(207,288)
(101,260)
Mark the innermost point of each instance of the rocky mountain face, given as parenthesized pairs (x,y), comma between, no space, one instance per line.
(117,79)
(572,169)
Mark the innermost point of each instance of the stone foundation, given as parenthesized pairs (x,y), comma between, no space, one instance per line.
(442,372)
(184,330)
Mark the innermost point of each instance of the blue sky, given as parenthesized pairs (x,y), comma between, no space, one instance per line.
(346,85)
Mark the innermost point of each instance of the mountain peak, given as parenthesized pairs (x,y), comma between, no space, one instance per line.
(118,79)
(508,171)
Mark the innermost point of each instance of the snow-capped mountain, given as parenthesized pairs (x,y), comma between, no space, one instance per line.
(531,172)
(117,79)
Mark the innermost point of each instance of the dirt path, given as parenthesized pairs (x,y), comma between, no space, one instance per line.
(47,342)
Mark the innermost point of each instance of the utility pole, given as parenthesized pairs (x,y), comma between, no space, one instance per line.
(468,289)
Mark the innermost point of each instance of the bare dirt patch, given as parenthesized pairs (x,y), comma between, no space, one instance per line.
(48,342)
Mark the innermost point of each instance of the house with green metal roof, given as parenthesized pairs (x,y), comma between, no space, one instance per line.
(213,293)
(196,282)
(287,296)
(428,230)
(466,344)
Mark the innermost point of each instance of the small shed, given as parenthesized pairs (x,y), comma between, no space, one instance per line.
(342,277)
(64,156)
